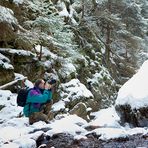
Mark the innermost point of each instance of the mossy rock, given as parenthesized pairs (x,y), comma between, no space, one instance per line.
(6,75)
(33,70)
(25,62)
(23,43)
(80,110)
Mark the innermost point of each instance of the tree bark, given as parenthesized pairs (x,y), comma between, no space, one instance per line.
(83,8)
(108,34)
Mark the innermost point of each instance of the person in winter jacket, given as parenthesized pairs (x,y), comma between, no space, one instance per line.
(39,101)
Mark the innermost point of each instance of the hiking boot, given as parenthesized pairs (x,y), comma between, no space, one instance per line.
(50,116)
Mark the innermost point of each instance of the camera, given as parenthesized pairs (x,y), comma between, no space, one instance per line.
(52,81)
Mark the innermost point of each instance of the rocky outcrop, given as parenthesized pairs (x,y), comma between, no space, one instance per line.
(132,100)
(75,99)
(8,25)
(91,70)
(6,75)
(6,70)
(24,62)
(135,117)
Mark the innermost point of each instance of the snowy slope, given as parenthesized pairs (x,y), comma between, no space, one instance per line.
(16,132)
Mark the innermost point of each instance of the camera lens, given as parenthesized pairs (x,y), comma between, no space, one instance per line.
(53,81)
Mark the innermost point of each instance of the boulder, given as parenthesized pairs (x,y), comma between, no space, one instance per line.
(80,110)
(74,92)
(132,100)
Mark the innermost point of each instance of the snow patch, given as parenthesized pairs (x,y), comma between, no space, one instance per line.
(58,106)
(6,65)
(106,118)
(27,83)
(4,62)
(45,52)
(17,51)
(18,1)
(69,124)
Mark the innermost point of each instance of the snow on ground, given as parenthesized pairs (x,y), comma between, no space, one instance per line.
(58,106)
(68,124)
(16,132)
(135,91)
(112,133)
(106,118)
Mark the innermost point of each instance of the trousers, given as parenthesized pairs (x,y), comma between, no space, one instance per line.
(44,115)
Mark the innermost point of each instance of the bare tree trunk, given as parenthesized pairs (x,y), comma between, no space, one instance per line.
(108,34)
(83,8)
(11,83)
(108,41)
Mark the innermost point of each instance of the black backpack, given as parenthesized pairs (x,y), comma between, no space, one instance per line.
(22,97)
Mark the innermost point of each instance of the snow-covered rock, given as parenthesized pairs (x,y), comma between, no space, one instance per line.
(132,100)
(7,70)
(24,62)
(8,24)
(74,99)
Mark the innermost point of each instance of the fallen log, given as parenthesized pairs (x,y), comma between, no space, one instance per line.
(11,83)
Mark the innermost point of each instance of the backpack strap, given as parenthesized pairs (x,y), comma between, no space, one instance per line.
(29,103)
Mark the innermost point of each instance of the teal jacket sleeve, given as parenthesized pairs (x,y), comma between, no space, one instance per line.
(34,97)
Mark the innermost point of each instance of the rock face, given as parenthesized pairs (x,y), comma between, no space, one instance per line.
(8,25)
(96,77)
(132,100)
(6,70)
(24,62)
(6,75)
(135,117)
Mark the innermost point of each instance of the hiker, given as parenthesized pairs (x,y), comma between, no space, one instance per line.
(39,101)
